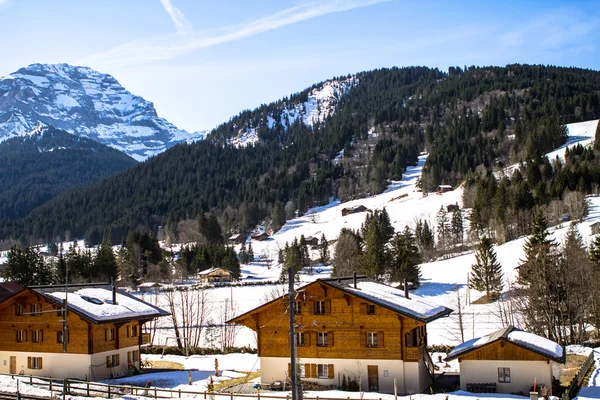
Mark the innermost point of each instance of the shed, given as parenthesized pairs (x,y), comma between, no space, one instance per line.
(148,287)
(215,275)
(595,228)
(237,238)
(444,188)
(260,236)
(507,360)
(353,210)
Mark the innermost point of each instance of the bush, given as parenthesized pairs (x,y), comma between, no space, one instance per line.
(196,351)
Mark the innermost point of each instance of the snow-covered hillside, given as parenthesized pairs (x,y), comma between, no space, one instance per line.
(322,102)
(88,103)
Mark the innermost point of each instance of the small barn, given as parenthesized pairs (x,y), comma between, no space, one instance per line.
(237,238)
(595,227)
(506,361)
(354,210)
(313,240)
(260,236)
(444,188)
(452,208)
(214,275)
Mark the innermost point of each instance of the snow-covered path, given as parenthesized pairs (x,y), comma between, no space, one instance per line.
(592,391)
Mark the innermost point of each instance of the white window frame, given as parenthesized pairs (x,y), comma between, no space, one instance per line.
(19,310)
(322,371)
(302,370)
(35,362)
(504,375)
(21,336)
(36,336)
(320,307)
(372,339)
(322,339)
(298,307)
(300,339)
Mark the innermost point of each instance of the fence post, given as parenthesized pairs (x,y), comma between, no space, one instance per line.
(50,385)
(155,393)
(30,379)
(179,393)
(109,391)
(88,389)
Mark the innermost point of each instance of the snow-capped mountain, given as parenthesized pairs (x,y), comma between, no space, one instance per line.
(321,103)
(88,103)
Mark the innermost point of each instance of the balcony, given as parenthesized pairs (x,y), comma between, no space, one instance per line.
(414,353)
(146,338)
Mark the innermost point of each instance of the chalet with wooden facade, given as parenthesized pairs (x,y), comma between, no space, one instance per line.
(104,330)
(237,238)
(365,330)
(214,275)
(354,210)
(507,361)
(261,236)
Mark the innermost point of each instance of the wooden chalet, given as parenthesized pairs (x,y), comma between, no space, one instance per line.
(507,361)
(149,287)
(444,188)
(260,236)
(313,240)
(355,327)
(237,238)
(354,210)
(214,275)
(104,330)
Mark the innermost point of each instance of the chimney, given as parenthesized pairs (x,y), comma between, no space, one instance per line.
(114,292)
(406,289)
(354,279)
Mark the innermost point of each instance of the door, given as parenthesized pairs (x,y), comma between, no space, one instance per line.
(373,374)
(13,364)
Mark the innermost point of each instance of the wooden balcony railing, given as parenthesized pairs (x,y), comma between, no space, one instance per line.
(414,353)
(145,338)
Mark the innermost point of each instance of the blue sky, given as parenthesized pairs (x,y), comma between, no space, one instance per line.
(202,61)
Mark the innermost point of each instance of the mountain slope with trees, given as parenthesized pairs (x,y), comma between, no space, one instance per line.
(469,120)
(37,167)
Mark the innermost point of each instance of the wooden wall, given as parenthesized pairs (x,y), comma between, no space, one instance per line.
(83,337)
(346,321)
(503,350)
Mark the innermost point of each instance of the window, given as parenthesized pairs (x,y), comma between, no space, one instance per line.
(112,361)
(320,307)
(298,307)
(302,370)
(371,339)
(299,338)
(370,309)
(136,356)
(322,371)
(34,362)
(504,375)
(37,336)
(134,330)
(109,334)
(18,310)
(60,335)
(21,336)
(322,339)
(36,309)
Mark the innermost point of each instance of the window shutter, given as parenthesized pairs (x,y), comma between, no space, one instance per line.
(330,338)
(380,339)
(327,306)
(107,361)
(118,359)
(307,338)
(106,334)
(26,332)
(41,335)
(29,362)
(40,363)
(312,305)
(313,370)
(330,373)
(289,369)
(128,357)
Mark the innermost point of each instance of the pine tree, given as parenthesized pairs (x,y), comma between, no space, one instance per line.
(105,264)
(375,255)
(457,227)
(323,250)
(595,250)
(278,216)
(486,273)
(250,253)
(243,254)
(597,138)
(538,246)
(442,229)
(405,258)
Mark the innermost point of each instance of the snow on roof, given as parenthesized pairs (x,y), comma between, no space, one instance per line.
(392,298)
(527,340)
(208,271)
(97,304)
(148,284)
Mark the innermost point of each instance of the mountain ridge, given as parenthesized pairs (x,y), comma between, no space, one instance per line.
(87,103)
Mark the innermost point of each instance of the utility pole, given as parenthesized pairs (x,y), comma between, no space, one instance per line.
(65,332)
(292,298)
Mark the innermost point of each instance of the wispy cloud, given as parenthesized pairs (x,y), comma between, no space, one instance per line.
(150,50)
(182,25)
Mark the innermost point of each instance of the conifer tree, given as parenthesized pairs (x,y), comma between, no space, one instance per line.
(323,250)
(486,273)
(250,253)
(347,253)
(597,138)
(243,254)
(537,248)
(375,255)
(105,264)
(457,227)
(442,229)
(595,250)
(278,216)
(405,258)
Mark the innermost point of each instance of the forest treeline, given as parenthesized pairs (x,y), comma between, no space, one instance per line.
(469,120)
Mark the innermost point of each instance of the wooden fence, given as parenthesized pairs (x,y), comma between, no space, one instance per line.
(576,382)
(58,387)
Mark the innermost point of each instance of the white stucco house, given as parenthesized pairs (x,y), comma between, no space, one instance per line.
(507,361)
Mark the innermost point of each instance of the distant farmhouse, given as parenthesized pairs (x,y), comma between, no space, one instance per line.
(444,188)
(260,236)
(352,327)
(237,238)
(214,275)
(506,361)
(104,330)
(354,210)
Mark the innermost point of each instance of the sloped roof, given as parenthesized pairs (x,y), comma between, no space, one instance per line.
(415,307)
(95,303)
(208,271)
(8,289)
(537,344)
